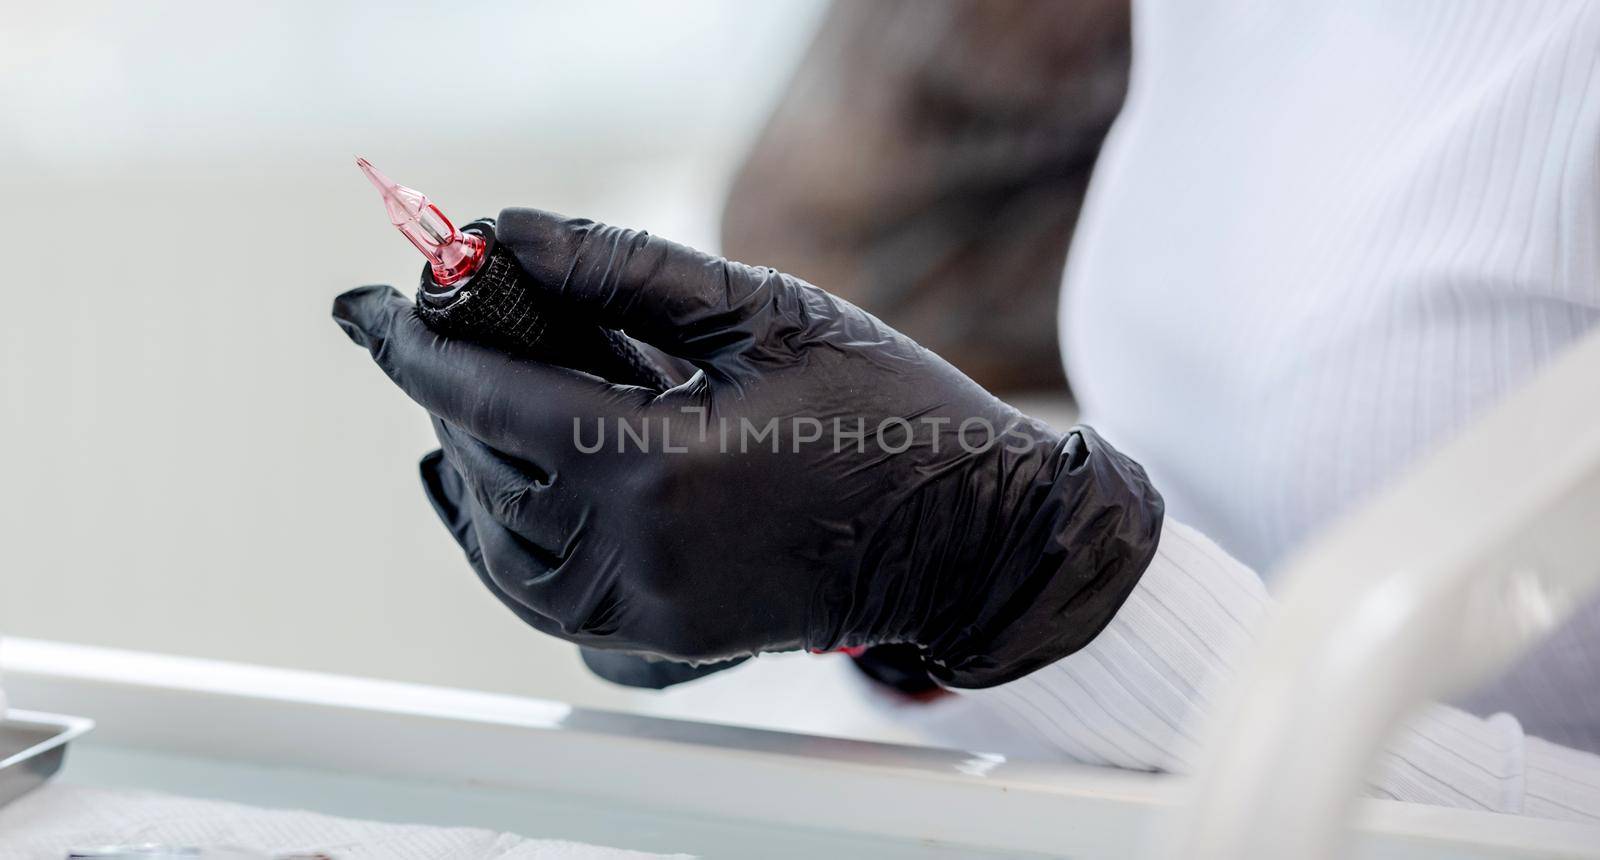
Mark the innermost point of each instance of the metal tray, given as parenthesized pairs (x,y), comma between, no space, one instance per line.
(32,747)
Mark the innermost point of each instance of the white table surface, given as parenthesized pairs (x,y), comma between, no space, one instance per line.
(406,753)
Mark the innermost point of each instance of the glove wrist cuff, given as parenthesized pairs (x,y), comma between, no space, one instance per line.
(1086,532)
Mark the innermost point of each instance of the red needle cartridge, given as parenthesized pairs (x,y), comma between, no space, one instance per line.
(455,255)
(475,290)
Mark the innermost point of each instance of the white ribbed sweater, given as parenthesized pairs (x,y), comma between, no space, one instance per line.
(1321,239)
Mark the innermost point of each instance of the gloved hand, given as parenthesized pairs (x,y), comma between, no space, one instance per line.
(821,481)
(452,501)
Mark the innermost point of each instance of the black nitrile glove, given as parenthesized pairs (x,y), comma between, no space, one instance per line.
(898,667)
(453,502)
(821,482)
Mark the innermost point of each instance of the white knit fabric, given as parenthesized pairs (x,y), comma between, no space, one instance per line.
(1135,697)
(1321,239)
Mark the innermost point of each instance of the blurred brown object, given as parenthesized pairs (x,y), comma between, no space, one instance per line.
(928,162)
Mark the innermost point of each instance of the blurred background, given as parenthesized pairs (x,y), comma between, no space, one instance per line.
(199,463)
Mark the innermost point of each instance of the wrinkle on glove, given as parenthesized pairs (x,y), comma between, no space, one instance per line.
(446,492)
(820,482)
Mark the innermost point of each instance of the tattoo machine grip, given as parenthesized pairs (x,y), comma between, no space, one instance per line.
(496,307)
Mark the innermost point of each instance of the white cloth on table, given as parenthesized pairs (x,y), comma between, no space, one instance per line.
(44,825)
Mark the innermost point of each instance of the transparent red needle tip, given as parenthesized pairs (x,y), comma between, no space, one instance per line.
(455,255)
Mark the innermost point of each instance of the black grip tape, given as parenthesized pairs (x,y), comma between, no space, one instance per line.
(496,308)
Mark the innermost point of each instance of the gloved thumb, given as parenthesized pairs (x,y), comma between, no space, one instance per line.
(685,302)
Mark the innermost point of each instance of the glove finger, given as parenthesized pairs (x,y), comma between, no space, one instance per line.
(519,496)
(445,490)
(491,563)
(648,671)
(516,405)
(458,507)
(685,302)
(571,598)
(451,499)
